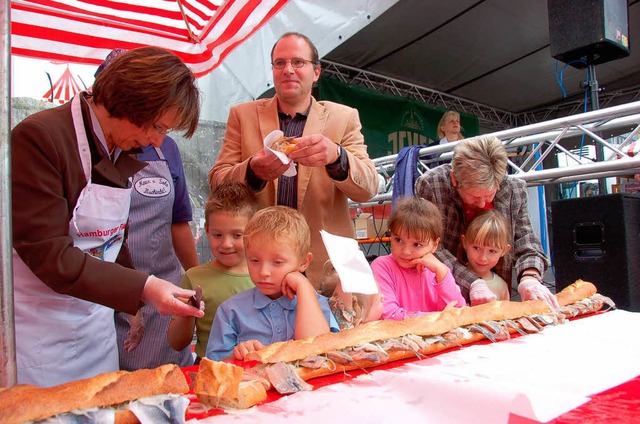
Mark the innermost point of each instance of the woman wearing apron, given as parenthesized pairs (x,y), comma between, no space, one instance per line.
(71,194)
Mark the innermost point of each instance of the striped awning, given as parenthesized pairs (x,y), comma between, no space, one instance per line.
(201,32)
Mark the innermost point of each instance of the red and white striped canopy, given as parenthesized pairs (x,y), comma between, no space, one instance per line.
(201,32)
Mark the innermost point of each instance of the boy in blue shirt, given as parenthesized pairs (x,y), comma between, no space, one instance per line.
(284,305)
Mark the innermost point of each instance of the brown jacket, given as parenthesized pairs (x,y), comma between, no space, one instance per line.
(47,178)
(322,200)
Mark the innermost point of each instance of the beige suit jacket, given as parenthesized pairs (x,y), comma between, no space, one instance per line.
(322,200)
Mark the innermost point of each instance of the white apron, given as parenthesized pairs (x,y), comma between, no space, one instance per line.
(60,338)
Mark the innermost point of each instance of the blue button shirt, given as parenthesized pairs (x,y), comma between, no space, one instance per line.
(250,315)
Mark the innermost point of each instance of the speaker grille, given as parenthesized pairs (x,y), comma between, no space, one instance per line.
(598,239)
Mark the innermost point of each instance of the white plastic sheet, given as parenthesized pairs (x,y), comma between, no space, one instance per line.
(539,376)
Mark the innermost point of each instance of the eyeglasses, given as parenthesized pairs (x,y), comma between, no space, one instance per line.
(296,62)
(160,130)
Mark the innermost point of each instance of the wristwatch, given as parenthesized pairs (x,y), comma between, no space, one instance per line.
(339,150)
(532,275)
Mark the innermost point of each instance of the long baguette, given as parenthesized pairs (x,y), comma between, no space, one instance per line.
(380,342)
(30,403)
(394,355)
(574,292)
(426,325)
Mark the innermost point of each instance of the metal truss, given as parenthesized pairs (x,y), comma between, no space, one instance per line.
(488,117)
(572,107)
(530,145)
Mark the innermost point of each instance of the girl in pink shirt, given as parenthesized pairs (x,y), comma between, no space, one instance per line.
(412,280)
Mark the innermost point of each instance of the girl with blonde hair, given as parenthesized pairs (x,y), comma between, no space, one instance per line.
(486,241)
(449,128)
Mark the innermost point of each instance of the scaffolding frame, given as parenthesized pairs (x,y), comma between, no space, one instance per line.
(490,118)
(538,141)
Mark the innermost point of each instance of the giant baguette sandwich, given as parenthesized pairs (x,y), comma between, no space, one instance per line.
(576,292)
(286,365)
(110,394)
(378,342)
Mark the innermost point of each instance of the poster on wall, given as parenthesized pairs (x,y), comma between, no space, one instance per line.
(390,123)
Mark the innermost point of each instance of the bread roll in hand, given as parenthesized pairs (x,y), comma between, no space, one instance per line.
(285,145)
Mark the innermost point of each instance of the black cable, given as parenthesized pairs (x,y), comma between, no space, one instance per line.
(50,84)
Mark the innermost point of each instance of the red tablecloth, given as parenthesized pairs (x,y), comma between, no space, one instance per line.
(619,404)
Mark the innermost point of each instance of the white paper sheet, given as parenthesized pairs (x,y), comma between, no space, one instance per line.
(538,376)
(350,264)
(268,141)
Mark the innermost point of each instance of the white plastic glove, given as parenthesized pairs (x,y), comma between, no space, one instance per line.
(532,289)
(480,293)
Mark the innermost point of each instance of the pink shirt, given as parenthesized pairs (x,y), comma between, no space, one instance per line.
(408,293)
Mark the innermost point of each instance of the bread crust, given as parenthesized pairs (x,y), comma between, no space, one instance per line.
(426,325)
(30,403)
(434,324)
(219,385)
(394,355)
(250,393)
(125,417)
(579,290)
(217,379)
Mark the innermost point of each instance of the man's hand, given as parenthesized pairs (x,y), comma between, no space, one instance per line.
(480,293)
(315,151)
(532,289)
(267,166)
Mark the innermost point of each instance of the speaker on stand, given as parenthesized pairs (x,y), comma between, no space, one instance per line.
(597,239)
(588,32)
(585,33)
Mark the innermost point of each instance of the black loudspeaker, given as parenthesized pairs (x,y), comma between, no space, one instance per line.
(597,239)
(585,32)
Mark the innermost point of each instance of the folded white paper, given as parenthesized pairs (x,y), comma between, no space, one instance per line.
(350,264)
(268,141)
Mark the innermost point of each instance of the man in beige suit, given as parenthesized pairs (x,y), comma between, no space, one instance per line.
(332,161)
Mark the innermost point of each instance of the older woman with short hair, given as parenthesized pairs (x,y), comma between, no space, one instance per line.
(474,181)
(71,267)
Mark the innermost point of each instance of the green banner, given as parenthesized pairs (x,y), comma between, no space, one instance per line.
(390,123)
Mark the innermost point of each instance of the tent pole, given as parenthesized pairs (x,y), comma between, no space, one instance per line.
(8,375)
